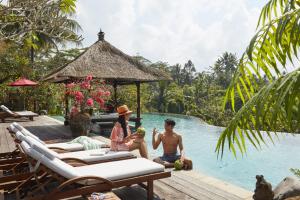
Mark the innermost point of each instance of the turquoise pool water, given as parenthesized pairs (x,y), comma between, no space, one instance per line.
(200,140)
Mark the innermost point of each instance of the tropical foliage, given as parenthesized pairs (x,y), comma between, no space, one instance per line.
(38,24)
(275,106)
(39,27)
(191,93)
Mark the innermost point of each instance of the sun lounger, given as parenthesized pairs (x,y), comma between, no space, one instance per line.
(8,113)
(87,156)
(65,146)
(14,158)
(78,158)
(92,178)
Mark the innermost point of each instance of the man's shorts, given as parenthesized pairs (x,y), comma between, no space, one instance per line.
(171,158)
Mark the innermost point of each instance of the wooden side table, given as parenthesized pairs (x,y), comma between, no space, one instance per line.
(110,196)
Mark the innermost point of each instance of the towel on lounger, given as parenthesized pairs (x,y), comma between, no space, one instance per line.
(88,143)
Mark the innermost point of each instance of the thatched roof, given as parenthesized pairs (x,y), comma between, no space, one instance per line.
(104,61)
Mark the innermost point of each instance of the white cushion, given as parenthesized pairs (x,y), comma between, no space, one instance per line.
(26,113)
(110,170)
(121,169)
(56,165)
(95,155)
(3,107)
(42,149)
(20,136)
(25,146)
(26,132)
(66,146)
(13,128)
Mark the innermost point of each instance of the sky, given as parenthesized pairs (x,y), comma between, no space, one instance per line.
(172,31)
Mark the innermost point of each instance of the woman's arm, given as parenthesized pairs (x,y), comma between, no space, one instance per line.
(114,138)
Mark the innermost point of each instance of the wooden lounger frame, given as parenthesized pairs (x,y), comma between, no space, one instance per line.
(4,115)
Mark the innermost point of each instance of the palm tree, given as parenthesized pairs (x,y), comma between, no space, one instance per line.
(276,105)
(176,73)
(224,68)
(39,24)
(188,72)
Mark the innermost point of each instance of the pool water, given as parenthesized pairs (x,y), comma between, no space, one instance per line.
(200,139)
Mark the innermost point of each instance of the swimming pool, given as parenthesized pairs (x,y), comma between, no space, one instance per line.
(200,139)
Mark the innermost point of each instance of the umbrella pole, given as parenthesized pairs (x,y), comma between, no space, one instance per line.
(24,102)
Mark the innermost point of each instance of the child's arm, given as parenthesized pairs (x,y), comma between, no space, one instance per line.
(131,136)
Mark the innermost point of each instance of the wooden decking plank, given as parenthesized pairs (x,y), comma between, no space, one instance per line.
(227,190)
(203,188)
(192,191)
(167,192)
(4,143)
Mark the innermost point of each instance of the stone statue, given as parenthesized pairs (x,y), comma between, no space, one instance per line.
(263,190)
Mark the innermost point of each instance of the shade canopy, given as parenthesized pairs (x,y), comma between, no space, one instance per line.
(104,61)
(23,82)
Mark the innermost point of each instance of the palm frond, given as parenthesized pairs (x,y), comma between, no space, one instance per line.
(278,101)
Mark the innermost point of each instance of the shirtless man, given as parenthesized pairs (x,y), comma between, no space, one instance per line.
(171,141)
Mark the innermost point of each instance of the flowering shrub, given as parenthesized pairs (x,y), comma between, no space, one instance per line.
(88,94)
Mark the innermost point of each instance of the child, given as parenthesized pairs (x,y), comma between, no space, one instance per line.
(139,135)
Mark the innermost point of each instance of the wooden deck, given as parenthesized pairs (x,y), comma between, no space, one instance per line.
(185,185)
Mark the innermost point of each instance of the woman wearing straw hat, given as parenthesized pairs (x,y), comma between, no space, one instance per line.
(121,138)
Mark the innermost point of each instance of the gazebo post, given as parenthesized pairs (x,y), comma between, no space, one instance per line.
(138,108)
(115,95)
(66,122)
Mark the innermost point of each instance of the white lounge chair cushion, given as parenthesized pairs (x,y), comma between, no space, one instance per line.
(87,156)
(26,113)
(56,164)
(66,146)
(40,148)
(95,155)
(44,150)
(6,109)
(110,170)
(25,146)
(20,136)
(27,133)
(13,128)
(121,169)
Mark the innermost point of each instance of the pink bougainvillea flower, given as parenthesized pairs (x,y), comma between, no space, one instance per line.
(85,85)
(70,85)
(89,78)
(90,102)
(78,96)
(100,101)
(107,93)
(100,93)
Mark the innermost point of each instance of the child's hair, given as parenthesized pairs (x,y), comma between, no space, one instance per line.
(170,122)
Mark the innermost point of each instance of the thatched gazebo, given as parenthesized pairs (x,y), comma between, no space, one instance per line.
(108,63)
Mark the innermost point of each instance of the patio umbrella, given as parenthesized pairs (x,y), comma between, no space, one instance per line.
(23,82)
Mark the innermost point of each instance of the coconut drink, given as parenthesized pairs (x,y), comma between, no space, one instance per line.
(178,165)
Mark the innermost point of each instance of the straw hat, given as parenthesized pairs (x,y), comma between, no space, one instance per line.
(123,110)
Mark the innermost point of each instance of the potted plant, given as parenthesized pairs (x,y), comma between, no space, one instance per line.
(86,96)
